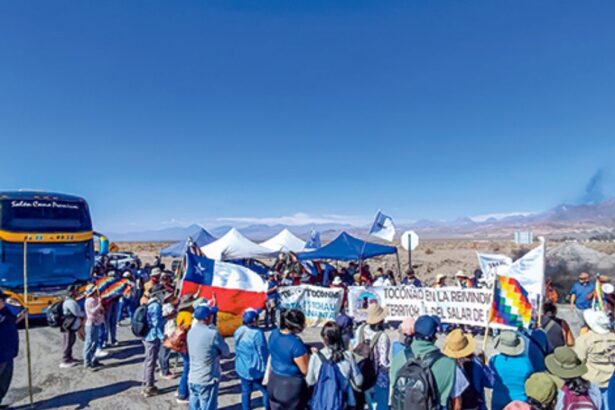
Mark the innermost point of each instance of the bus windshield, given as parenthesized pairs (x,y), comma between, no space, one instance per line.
(49,265)
(19,215)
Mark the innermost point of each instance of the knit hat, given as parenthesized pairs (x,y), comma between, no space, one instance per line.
(376,314)
(509,343)
(541,388)
(426,326)
(565,363)
(458,344)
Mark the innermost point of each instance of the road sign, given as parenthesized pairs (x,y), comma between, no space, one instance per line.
(409,240)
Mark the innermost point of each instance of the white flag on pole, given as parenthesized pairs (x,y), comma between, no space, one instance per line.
(530,270)
(493,264)
(383,227)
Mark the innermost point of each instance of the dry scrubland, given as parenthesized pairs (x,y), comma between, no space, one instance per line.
(447,256)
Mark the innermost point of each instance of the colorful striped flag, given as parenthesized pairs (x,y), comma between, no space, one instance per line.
(111,288)
(511,305)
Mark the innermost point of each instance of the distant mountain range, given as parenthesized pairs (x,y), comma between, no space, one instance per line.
(579,221)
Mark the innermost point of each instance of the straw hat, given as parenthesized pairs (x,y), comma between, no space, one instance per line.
(509,343)
(565,363)
(185,302)
(376,314)
(458,344)
(597,321)
(440,276)
(541,388)
(460,274)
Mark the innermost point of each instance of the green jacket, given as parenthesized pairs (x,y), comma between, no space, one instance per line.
(443,369)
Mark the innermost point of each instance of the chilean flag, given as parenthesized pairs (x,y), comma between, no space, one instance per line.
(235,287)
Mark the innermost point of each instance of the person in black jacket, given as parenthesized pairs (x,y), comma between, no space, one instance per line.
(9,345)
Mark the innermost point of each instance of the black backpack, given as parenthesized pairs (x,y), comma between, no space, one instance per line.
(415,386)
(55,314)
(138,323)
(364,353)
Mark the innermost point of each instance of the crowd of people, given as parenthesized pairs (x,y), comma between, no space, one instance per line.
(355,365)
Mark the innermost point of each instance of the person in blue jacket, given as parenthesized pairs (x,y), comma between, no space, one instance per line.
(251,355)
(9,345)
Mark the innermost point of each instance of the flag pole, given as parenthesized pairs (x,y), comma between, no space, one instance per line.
(544,272)
(27,320)
(490,312)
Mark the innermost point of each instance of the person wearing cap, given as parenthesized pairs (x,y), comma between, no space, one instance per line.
(541,391)
(450,380)
(440,281)
(334,352)
(373,329)
(164,356)
(597,349)
(287,388)
(9,345)
(94,320)
(251,354)
(153,339)
(511,368)
(73,315)
(401,351)
(557,329)
(411,279)
(184,320)
(205,347)
(460,346)
(566,370)
(581,295)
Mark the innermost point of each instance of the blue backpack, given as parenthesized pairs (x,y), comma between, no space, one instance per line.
(331,390)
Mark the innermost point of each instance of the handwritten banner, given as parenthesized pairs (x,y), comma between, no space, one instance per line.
(452,305)
(319,304)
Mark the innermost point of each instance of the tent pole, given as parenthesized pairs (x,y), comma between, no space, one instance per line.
(398,265)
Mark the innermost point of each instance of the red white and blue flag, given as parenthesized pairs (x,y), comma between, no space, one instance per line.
(235,287)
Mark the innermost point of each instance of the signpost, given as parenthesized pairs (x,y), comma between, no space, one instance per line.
(409,241)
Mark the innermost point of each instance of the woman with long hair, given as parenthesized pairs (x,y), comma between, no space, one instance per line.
(335,352)
(289,364)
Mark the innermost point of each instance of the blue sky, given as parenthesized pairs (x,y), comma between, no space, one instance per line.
(165,112)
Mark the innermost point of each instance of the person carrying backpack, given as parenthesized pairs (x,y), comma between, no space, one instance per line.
(333,372)
(566,369)
(372,354)
(557,329)
(449,380)
(460,346)
(72,315)
(153,338)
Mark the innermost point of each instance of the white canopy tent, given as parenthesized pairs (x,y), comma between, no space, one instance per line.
(285,241)
(233,245)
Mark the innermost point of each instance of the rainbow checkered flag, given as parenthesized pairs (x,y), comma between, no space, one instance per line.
(511,305)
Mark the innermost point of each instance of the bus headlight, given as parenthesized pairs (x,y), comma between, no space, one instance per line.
(13,302)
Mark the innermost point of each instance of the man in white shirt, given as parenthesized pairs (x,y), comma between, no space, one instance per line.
(71,323)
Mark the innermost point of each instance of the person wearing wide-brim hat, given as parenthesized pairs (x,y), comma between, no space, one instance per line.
(595,346)
(440,281)
(373,330)
(461,347)
(511,367)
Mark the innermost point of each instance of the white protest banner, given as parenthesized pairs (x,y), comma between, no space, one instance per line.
(451,304)
(318,304)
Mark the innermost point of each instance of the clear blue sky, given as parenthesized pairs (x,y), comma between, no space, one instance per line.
(161,111)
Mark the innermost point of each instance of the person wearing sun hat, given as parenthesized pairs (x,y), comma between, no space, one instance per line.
(251,354)
(461,347)
(566,370)
(541,391)
(373,330)
(510,367)
(597,349)
(440,281)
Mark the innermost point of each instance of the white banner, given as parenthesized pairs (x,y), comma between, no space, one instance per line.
(451,304)
(492,264)
(530,271)
(319,304)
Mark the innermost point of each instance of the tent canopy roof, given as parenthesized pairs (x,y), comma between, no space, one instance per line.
(347,248)
(233,245)
(284,241)
(200,238)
